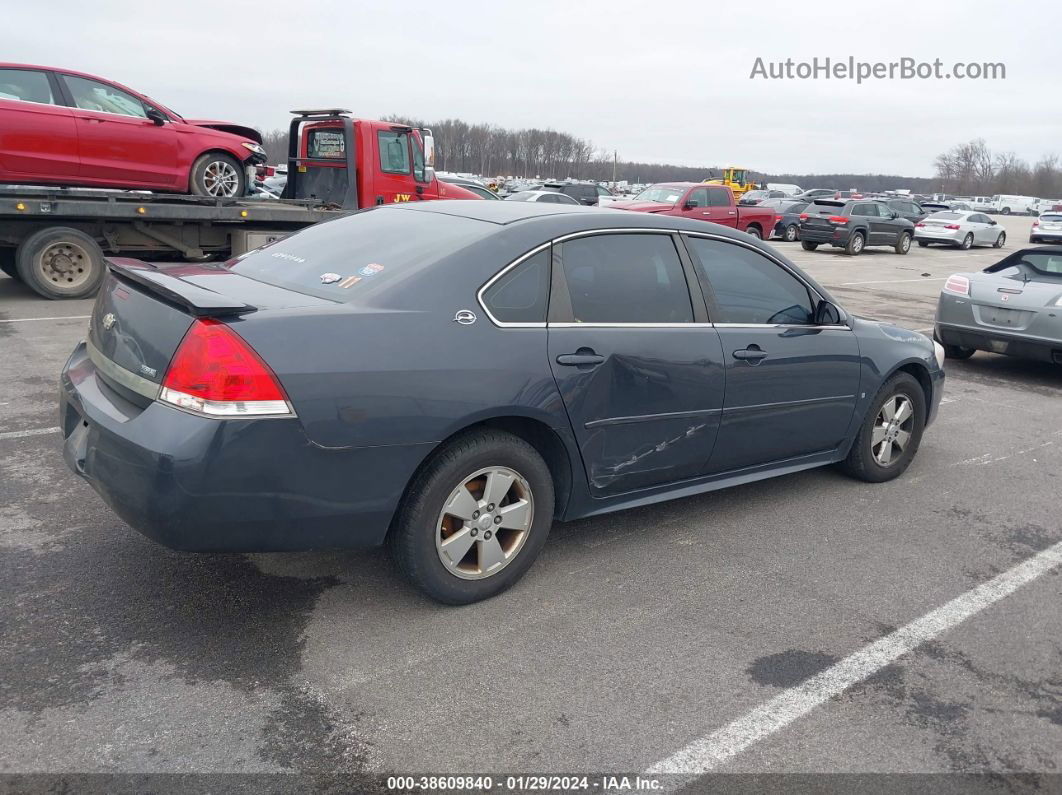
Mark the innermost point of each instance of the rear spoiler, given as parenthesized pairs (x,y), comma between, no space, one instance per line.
(164,280)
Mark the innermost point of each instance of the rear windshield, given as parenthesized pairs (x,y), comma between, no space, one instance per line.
(349,259)
(325,143)
(1052,218)
(824,208)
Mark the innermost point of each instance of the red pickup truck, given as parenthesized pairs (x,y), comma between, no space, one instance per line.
(713,203)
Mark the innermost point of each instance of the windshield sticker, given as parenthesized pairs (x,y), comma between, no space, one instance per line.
(330,278)
(349,282)
(371,269)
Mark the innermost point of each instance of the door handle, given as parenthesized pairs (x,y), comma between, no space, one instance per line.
(732,212)
(752,354)
(585,357)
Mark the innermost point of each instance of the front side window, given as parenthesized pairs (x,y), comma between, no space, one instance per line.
(394,151)
(718,197)
(26,85)
(626,278)
(698,198)
(94,95)
(522,294)
(748,287)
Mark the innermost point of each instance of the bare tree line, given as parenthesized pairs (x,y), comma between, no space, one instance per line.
(972,169)
(489,150)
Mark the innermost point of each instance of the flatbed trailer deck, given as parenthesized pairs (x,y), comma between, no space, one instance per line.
(55,239)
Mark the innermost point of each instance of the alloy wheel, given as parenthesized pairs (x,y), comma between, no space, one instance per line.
(892,429)
(484,523)
(220,179)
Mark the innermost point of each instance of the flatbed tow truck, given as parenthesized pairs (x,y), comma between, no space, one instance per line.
(56,239)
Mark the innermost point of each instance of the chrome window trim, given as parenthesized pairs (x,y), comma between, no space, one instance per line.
(127,378)
(568,324)
(780,326)
(498,275)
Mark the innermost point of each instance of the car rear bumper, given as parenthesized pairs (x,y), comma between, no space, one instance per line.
(836,237)
(984,339)
(1049,234)
(199,484)
(947,236)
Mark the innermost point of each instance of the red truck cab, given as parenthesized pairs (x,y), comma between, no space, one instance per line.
(714,203)
(360,163)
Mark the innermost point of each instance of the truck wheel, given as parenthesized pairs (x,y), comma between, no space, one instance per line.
(60,262)
(219,175)
(7,263)
(1005,211)
(754,231)
(903,245)
(808,246)
(855,244)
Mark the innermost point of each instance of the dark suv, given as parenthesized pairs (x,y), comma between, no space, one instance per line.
(907,208)
(853,225)
(583,192)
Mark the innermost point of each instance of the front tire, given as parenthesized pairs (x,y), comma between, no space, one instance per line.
(474,519)
(889,437)
(1000,240)
(60,262)
(217,175)
(903,245)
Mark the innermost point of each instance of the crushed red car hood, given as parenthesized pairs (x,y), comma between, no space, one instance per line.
(241,130)
(641,207)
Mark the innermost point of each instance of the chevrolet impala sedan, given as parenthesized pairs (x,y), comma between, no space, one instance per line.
(450,378)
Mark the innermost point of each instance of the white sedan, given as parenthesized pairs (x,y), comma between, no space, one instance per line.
(959,228)
(548,196)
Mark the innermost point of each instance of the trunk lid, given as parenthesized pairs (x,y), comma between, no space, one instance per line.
(143,311)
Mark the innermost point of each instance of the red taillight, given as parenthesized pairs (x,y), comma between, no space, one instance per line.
(214,372)
(837,219)
(920,225)
(957,284)
(777,218)
(1036,224)
(803,216)
(951,226)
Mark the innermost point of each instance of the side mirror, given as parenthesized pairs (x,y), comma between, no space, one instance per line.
(428,141)
(826,314)
(894,215)
(991,222)
(156,116)
(690,205)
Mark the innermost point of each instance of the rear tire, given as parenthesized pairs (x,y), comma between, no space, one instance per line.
(867,459)
(423,524)
(958,352)
(217,175)
(903,245)
(807,246)
(923,244)
(754,231)
(855,244)
(7,263)
(791,234)
(967,241)
(60,263)
(1005,211)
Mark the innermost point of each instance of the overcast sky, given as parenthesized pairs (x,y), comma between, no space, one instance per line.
(657,81)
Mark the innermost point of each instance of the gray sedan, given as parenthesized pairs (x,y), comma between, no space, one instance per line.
(961,229)
(1012,307)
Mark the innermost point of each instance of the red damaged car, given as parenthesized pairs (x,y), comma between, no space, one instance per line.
(59,127)
(714,203)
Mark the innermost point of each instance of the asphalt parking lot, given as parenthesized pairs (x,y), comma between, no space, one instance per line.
(635,634)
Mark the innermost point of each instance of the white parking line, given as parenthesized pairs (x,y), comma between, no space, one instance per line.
(30,432)
(711,751)
(897,281)
(61,317)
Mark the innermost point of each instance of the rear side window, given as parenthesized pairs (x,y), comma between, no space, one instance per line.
(522,294)
(394,151)
(26,85)
(353,258)
(326,144)
(748,287)
(632,278)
